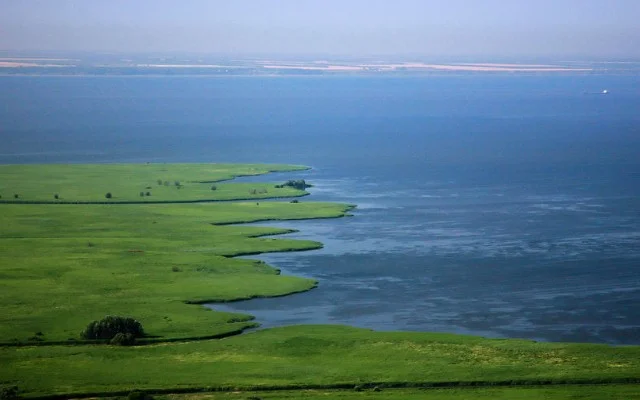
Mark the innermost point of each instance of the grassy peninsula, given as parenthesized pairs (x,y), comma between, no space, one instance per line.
(137,183)
(65,265)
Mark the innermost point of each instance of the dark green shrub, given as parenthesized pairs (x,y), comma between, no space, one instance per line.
(294,201)
(299,184)
(110,326)
(123,339)
(148,193)
(108,195)
(159,181)
(214,187)
(15,196)
(141,194)
(56,196)
(9,393)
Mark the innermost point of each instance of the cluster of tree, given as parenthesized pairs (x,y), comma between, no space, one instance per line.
(258,191)
(120,330)
(297,184)
(166,183)
(142,194)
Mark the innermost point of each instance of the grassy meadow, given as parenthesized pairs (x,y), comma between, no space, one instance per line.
(126,182)
(316,357)
(65,265)
(62,266)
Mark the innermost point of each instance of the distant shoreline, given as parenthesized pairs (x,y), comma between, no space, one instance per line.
(10,66)
(325,74)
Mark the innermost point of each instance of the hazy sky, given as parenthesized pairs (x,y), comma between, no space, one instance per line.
(598,28)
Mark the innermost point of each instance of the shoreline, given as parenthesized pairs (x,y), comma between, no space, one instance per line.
(330,74)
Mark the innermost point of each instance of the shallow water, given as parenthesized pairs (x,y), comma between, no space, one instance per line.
(486,259)
(490,205)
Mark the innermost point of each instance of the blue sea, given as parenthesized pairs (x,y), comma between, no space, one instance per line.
(494,205)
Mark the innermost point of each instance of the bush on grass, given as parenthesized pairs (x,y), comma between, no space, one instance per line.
(110,326)
(123,339)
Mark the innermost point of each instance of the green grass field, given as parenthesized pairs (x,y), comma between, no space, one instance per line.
(62,266)
(302,356)
(90,183)
(65,265)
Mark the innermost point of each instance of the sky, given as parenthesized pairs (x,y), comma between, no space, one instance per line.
(430,28)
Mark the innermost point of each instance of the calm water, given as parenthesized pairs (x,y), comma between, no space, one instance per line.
(505,206)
